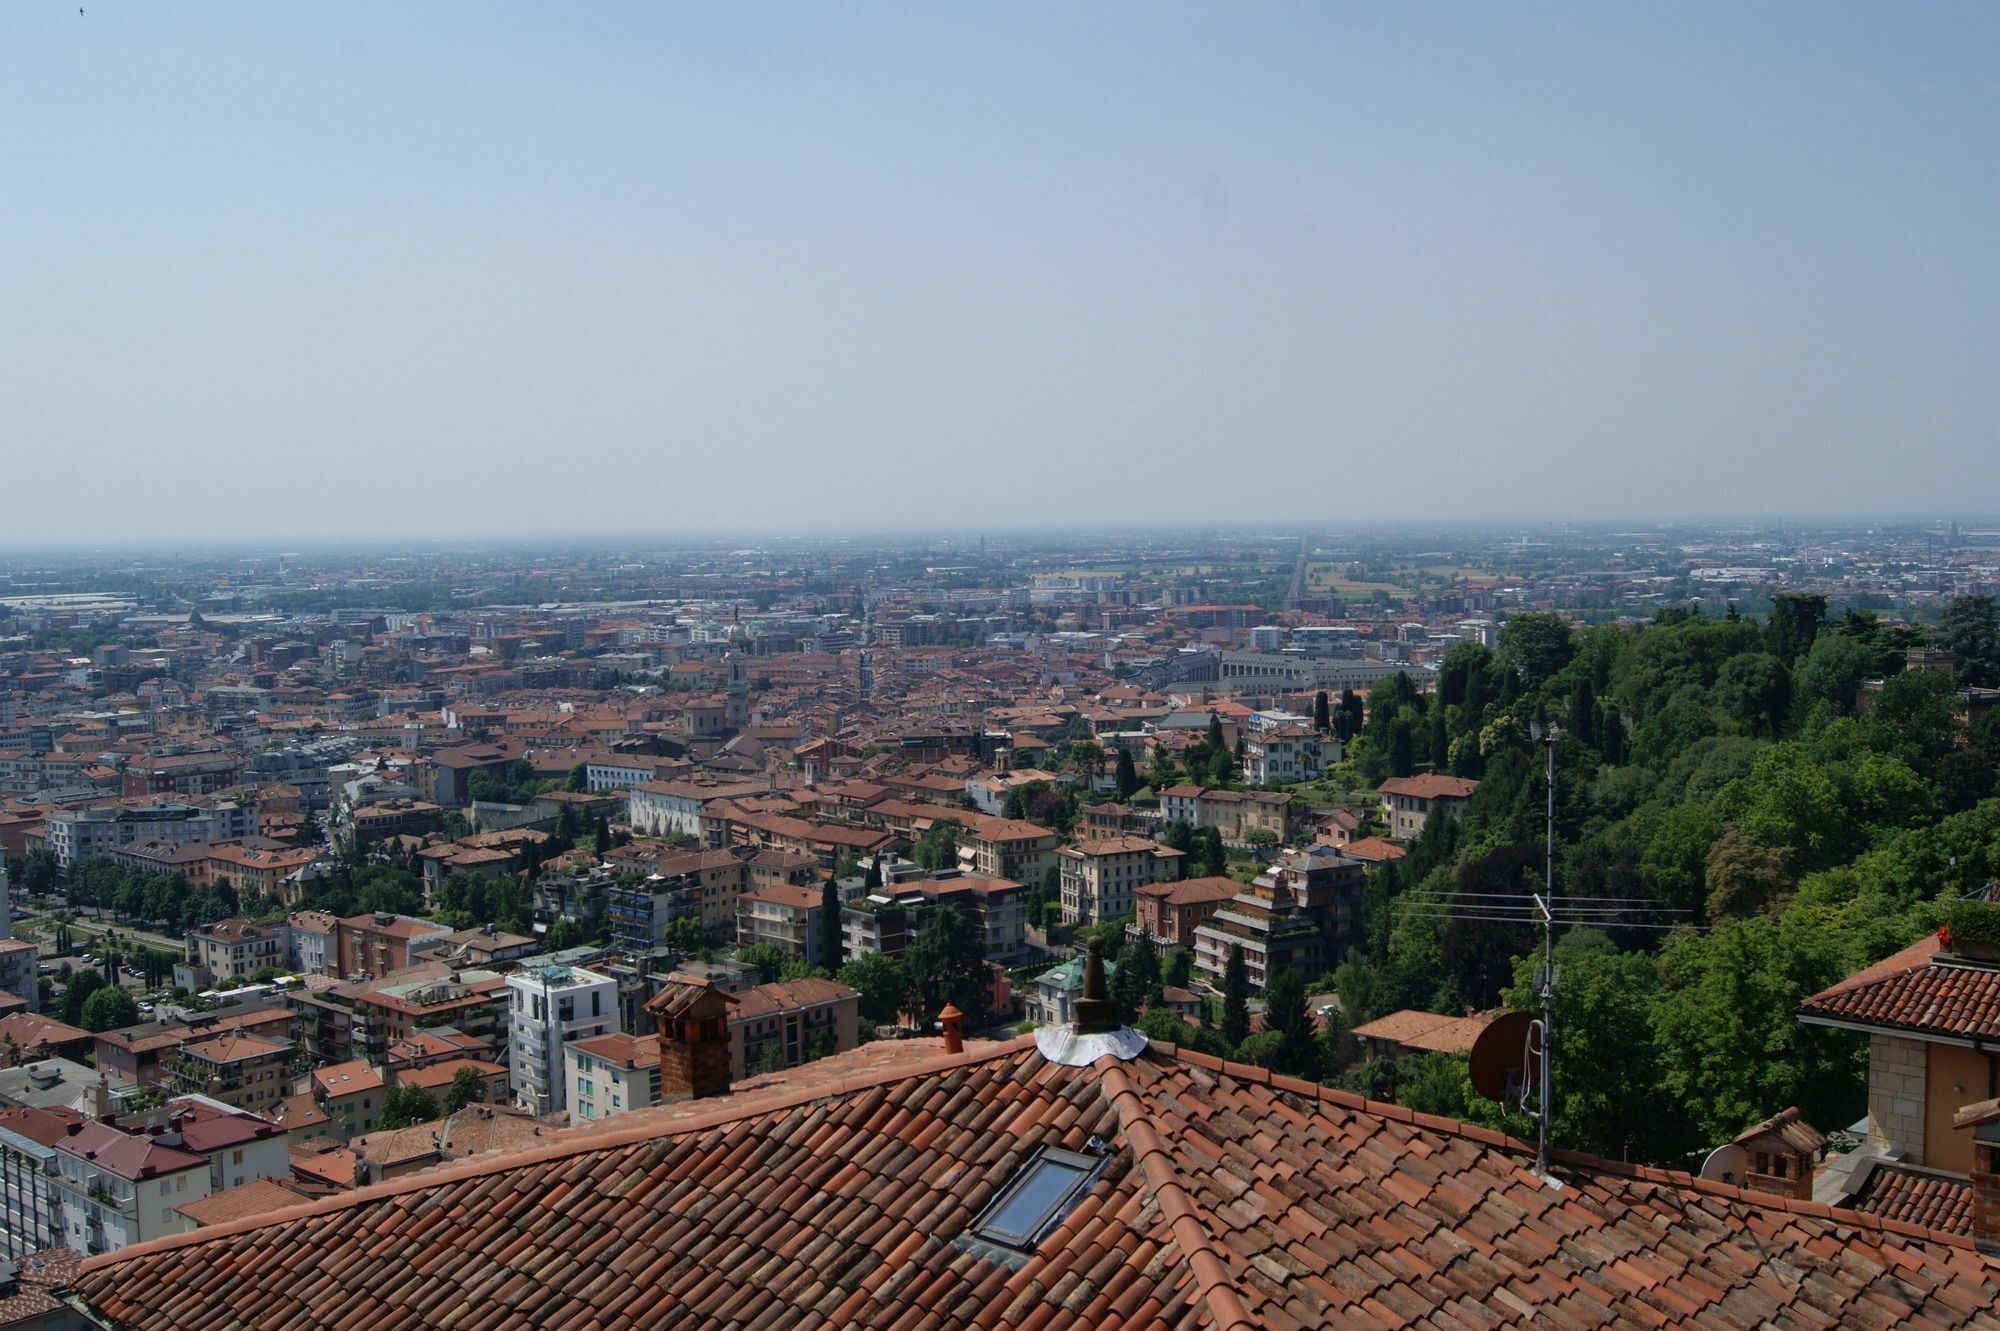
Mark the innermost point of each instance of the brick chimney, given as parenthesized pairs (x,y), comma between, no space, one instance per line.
(1983,1120)
(694,1037)
(1781,1151)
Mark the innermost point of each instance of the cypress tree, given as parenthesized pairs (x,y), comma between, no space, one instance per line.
(1322,716)
(829,926)
(1236,998)
(1127,775)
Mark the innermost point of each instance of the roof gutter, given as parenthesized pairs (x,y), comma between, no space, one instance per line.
(1900,1032)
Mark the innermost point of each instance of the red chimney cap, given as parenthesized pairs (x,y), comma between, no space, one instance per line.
(951,1013)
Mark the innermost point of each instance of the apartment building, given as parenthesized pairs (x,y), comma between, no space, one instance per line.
(1232,813)
(242,1071)
(1287,753)
(1100,877)
(116,1188)
(611,1074)
(236,949)
(785,915)
(548,1008)
(791,1022)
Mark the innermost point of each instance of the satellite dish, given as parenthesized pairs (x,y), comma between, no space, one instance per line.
(1725,1163)
(1500,1062)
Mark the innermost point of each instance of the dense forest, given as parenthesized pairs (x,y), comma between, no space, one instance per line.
(1776,817)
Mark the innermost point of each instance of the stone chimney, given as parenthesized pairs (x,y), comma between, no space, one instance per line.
(952,1022)
(694,1037)
(1781,1151)
(1983,1121)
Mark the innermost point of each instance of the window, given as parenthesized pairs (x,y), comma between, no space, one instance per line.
(1047,1189)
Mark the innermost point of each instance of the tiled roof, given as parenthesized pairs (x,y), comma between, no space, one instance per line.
(1916,990)
(1429,786)
(1232,1200)
(258,1197)
(1916,1197)
(1191,891)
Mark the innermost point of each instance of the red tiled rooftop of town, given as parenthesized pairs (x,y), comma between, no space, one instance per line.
(1231,1199)
(1429,786)
(1917,989)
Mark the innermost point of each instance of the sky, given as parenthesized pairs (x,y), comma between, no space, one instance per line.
(464,270)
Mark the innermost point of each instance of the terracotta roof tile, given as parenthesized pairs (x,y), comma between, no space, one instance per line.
(1915,990)
(1230,1200)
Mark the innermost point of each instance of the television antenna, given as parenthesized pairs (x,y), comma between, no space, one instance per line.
(1514,1057)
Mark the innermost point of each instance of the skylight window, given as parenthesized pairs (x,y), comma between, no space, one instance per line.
(1047,1189)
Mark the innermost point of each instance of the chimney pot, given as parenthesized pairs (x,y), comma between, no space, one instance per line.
(952,1021)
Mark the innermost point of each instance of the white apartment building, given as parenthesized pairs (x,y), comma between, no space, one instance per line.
(1099,877)
(116,1188)
(611,1074)
(550,1007)
(1287,753)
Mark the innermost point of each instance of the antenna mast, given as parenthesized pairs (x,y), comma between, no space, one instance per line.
(1548,905)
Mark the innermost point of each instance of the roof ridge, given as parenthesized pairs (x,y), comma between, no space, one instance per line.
(582,1142)
(1216,1288)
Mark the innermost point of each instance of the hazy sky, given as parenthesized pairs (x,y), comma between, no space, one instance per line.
(288,269)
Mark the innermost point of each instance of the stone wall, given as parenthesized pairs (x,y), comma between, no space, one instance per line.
(1896,1095)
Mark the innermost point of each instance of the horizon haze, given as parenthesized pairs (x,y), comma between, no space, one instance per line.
(414,274)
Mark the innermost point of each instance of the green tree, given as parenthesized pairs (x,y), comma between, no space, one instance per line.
(467,1088)
(403,1106)
(1535,647)
(81,986)
(1731,1050)
(947,964)
(831,938)
(1214,859)
(1179,970)
(1298,1053)
(108,1008)
(1743,877)
(578,779)
(1794,624)
(767,959)
(882,984)
(1920,708)
(1138,980)
(1971,628)
(1831,673)
(1126,775)
(937,848)
(1235,997)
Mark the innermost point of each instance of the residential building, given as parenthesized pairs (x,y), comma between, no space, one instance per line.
(1272,926)
(350,1094)
(471,1001)
(611,1074)
(75,834)
(309,948)
(1409,801)
(181,774)
(1931,1013)
(20,972)
(243,1071)
(791,1022)
(371,945)
(1234,814)
(30,1215)
(674,808)
(1099,877)
(1284,754)
(1052,995)
(550,1007)
(236,949)
(786,916)
(116,1188)
(1169,912)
